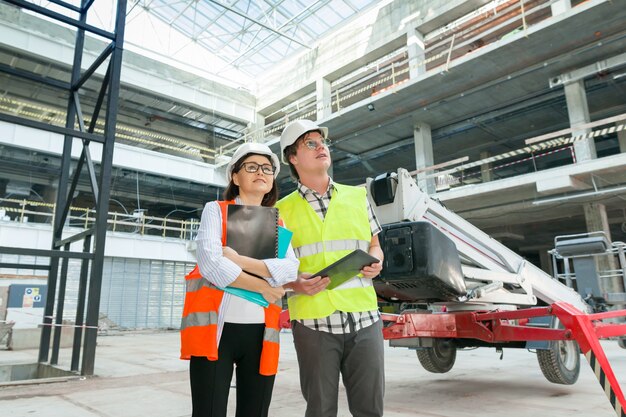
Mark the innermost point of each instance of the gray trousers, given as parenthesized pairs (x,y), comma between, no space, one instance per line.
(357,356)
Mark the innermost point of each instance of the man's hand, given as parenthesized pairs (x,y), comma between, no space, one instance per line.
(272,294)
(307,285)
(372,271)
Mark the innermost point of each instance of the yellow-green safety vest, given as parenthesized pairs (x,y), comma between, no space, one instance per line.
(318,244)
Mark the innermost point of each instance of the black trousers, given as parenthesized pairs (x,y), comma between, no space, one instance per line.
(240,345)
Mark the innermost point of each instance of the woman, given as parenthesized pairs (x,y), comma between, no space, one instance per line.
(220,330)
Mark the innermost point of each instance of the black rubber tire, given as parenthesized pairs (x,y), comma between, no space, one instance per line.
(561,363)
(440,358)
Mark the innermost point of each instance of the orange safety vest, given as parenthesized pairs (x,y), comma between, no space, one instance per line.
(198,330)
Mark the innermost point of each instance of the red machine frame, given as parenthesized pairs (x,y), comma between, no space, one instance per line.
(498,327)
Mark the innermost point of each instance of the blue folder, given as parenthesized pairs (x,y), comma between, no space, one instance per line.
(284,238)
(253,296)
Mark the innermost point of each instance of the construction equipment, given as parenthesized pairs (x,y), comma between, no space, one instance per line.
(469,290)
(590,262)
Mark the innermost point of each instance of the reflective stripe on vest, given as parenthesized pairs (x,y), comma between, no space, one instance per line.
(271,347)
(320,243)
(199,319)
(193,285)
(271,335)
(198,328)
(330,246)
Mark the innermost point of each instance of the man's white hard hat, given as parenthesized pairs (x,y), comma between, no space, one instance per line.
(294,130)
(255,148)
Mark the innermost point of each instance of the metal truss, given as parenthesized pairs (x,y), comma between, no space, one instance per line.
(253,35)
(92,254)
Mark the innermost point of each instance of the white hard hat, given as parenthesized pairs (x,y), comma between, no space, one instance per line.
(294,130)
(255,148)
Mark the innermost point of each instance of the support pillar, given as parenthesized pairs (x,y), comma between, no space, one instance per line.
(560,6)
(578,111)
(416,52)
(50,196)
(485,169)
(323,98)
(545,261)
(255,129)
(621,137)
(424,156)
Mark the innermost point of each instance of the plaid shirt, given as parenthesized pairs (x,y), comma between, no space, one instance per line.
(338,322)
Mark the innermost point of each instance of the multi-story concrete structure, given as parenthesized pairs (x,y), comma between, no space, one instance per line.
(488,101)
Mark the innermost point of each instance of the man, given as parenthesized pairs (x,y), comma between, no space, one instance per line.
(339,331)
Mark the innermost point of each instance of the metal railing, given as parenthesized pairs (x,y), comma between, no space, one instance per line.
(27,211)
(544,152)
(484,26)
(610,264)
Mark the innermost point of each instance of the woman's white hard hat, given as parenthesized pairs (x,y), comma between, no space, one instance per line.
(294,130)
(249,148)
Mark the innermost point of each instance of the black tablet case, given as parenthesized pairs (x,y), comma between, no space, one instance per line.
(346,268)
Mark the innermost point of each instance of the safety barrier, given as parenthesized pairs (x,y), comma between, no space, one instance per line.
(25,211)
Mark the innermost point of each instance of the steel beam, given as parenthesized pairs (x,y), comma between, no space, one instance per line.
(93,239)
(79,24)
(104,187)
(50,128)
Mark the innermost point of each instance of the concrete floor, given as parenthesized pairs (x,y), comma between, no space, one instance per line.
(139,374)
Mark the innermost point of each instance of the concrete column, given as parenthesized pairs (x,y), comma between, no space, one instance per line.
(545,261)
(578,111)
(597,221)
(323,98)
(416,51)
(596,218)
(560,6)
(254,130)
(49,194)
(621,137)
(424,155)
(485,169)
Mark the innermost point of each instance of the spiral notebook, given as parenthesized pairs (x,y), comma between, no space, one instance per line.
(253,231)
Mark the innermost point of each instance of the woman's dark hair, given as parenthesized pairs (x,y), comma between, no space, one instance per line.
(232,190)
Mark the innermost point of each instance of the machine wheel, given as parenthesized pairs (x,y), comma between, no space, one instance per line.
(560,363)
(440,358)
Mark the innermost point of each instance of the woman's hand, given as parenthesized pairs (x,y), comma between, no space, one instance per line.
(230,253)
(372,271)
(272,294)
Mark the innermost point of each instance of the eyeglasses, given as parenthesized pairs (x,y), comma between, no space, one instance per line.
(253,167)
(314,144)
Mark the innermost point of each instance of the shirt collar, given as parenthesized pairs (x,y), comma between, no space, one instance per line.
(303,190)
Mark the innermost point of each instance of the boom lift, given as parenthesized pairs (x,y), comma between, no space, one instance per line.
(590,262)
(469,290)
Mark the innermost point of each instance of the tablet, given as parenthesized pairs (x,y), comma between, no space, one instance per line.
(346,268)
